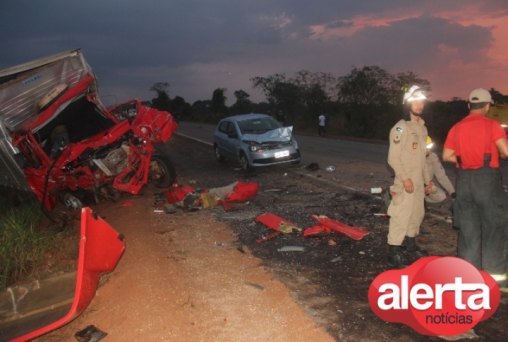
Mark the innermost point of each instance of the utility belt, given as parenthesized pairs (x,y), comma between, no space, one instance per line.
(486,163)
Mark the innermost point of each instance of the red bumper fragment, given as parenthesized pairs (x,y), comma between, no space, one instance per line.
(100,249)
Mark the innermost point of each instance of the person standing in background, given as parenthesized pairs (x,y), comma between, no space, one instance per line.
(321,125)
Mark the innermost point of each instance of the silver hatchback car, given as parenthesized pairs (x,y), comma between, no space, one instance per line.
(255,140)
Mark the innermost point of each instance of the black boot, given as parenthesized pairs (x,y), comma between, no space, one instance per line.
(414,250)
(396,257)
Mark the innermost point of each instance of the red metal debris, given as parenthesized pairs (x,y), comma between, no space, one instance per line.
(100,249)
(327,225)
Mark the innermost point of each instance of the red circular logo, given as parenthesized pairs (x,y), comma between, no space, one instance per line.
(435,296)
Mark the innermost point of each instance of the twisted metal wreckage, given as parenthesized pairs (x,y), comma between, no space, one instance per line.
(59,141)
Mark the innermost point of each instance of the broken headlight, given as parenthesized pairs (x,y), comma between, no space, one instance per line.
(254,146)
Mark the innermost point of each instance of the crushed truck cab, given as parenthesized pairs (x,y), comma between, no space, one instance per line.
(59,141)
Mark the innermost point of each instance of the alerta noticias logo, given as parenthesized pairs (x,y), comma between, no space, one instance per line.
(435,296)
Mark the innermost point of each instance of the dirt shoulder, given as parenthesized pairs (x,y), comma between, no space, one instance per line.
(183,278)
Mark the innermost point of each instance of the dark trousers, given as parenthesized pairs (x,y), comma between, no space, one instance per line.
(321,130)
(481,209)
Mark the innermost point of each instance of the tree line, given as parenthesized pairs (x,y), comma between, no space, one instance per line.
(364,103)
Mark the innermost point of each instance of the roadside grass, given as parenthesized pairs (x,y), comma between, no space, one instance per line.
(22,244)
(31,246)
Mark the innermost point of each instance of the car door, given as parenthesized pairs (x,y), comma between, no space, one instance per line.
(233,140)
(222,138)
(220,135)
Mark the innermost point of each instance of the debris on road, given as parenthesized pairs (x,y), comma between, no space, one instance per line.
(170,208)
(291,249)
(90,334)
(330,168)
(277,223)
(268,237)
(273,190)
(336,259)
(257,286)
(188,198)
(327,225)
(126,204)
(468,335)
(312,167)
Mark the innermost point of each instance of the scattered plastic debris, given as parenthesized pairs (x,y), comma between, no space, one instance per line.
(339,258)
(332,242)
(257,286)
(170,208)
(377,190)
(277,223)
(268,237)
(188,198)
(291,249)
(90,334)
(330,168)
(312,167)
(469,335)
(327,225)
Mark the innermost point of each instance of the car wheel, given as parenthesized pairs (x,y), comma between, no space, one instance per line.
(162,172)
(297,162)
(244,162)
(218,155)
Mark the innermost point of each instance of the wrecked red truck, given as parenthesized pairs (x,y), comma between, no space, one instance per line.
(58,140)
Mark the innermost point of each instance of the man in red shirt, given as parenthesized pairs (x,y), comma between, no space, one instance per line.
(480,210)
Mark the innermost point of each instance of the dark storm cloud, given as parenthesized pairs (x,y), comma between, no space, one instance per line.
(197,45)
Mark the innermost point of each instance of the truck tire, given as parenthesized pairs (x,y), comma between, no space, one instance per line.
(162,171)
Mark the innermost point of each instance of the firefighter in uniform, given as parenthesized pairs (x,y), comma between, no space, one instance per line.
(475,144)
(406,156)
(437,171)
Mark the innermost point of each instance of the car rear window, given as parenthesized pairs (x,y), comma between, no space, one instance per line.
(258,125)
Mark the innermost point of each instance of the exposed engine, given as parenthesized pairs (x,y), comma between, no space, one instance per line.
(115,161)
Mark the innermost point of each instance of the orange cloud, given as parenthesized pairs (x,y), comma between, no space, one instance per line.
(347,28)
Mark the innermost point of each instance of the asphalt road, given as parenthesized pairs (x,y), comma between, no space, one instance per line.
(313,148)
(351,157)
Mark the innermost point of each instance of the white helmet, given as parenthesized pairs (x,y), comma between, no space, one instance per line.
(415,93)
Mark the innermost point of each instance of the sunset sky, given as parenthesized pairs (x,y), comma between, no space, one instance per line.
(199,45)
